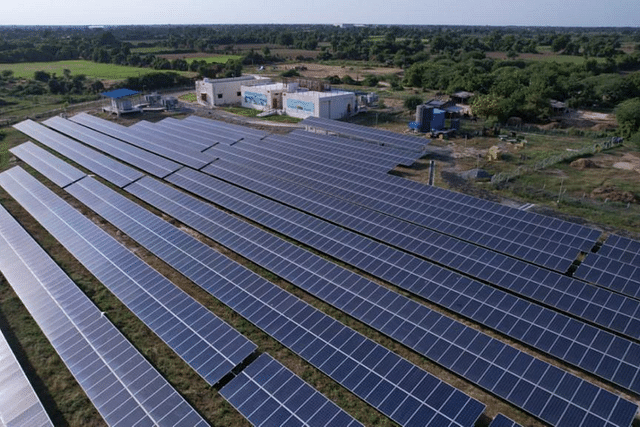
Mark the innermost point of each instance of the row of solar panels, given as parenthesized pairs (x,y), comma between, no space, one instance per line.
(455,400)
(161,404)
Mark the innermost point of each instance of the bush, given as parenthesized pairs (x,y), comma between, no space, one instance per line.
(290,73)
(412,102)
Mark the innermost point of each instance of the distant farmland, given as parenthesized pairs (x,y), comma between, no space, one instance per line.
(90,69)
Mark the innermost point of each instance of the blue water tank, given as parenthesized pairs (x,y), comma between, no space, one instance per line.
(437,121)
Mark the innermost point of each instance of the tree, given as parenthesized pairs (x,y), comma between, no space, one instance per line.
(412,102)
(628,117)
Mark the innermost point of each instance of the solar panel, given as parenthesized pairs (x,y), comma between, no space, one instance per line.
(529,409)
(114,172)
(366,133)
(19,403)
(273,310)
(621,248)
(325,176)
(61,173)
(118,380)
(152,163)
(192,141)
(208,344)
(283,143)
(517,318)
(194,130)
(502,421)
(171,150)
(587,302)
(245,131)
(402,157)
(268,394)
(614,266)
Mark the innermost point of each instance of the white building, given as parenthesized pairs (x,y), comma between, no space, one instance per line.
(294,101)
(265,97)
(211,92)
(335,104)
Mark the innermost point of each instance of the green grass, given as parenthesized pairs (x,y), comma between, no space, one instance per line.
(218,59)
(153,49)
(189,97)
(90,69)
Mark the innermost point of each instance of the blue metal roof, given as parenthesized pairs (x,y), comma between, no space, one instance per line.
(119,93)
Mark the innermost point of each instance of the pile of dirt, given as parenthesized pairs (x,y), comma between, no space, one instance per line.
(581,164)
(612,194)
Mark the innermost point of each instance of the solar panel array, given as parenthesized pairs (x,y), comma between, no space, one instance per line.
(502,421)
(195,129)
(281,314)
(401,157)
(153,164)
(588,302)
(61,173)
(168,148)
(118,380)
(209,345)
(615,266)
(19,403)
(115,172)
(269,394)
(594,350)
(215,125)
(613,358)
(366,133)
(188,141)
(337,180)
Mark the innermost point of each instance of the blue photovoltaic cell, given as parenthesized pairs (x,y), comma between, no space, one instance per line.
(173,150)
(111,170)
(383,137)
(118,380)
(447,342)
(244,131)
(19,403)
(185,139)
(522,320)
(208,344)
(401,157)
(585,301)
(504,385)
(289,320)
(615,266)
(444,205)
(502,421)
(61,173)
(337,179)
(268,394)
(204,135)
(150,162)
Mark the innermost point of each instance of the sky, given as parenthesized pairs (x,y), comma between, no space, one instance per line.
(574,13)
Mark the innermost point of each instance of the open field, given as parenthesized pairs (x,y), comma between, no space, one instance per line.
(199,56)
(91,69)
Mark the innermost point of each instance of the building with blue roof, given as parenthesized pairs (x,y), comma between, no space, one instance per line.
(120,101)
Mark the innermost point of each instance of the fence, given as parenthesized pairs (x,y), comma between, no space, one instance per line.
(504,177)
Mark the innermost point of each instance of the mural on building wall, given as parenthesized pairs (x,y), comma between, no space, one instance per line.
(255,98)
(296,104)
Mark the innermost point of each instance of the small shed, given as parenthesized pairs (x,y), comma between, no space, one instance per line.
(462,97)
(120,101)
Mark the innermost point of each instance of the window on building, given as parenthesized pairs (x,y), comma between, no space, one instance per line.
(219,96)
(239,93)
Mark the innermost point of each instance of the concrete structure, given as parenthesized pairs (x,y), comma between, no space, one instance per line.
(212,92)
(120,101)
(334,104)
(290,99)
(265,97)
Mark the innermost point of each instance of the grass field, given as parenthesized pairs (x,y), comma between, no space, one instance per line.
(90,69)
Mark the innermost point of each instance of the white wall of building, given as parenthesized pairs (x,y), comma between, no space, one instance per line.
(265,96)
(211,92)
(327,105)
